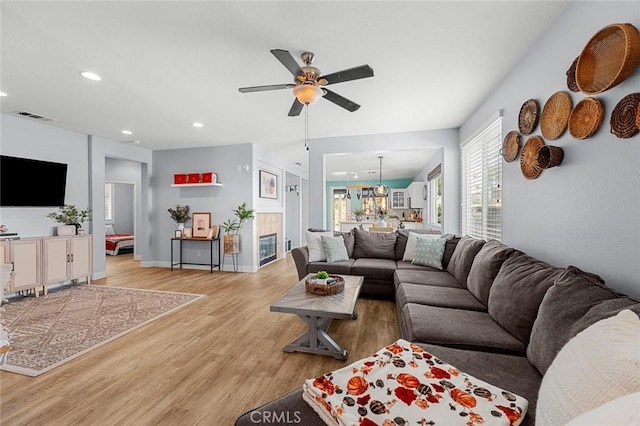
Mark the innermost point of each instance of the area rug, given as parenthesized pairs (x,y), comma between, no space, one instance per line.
(47,331)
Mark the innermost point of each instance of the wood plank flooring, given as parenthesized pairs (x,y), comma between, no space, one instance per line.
(205,364)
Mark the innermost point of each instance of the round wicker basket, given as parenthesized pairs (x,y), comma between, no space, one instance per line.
(325,289)
(624,116)
(550,156)
(571,76)
(528,117)
(529,157)
(638,118)
(585,118)
(610,56)
(555,115)
(511,146)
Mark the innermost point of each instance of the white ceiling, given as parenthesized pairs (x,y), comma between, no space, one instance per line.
(167,64)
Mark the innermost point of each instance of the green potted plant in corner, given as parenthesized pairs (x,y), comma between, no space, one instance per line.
(70,215)
(232,228)
(179,214)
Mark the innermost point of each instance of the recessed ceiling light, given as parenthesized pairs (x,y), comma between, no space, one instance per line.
(198,125)
(3,94)
(90,75)
(126,132)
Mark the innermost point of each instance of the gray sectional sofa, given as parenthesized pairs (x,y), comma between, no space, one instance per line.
(493,311)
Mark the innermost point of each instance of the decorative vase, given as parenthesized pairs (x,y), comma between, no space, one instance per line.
(359,218)
(381,223)
(231,244)
(180,227)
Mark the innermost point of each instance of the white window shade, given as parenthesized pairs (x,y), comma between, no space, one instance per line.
(482,184)
(108,202)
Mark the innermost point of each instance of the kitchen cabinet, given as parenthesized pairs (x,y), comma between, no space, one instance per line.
(399,199)
(417,194)
(25,255)
(66,258)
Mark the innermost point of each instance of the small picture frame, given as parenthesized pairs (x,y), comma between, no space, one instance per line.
(268,185)
(201,223)
(178,233)
(186,233)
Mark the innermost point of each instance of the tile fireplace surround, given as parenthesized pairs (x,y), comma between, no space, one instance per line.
(269,223)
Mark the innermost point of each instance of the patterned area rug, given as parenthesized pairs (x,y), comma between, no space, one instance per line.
(48,331)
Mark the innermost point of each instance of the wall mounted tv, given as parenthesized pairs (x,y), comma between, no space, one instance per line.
(31,183)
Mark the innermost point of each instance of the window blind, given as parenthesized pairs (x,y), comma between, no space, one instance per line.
(482,184)
(108,202)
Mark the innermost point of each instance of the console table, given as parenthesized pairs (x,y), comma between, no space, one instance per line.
(201,240)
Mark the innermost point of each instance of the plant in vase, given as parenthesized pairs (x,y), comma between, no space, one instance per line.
(232,228)
(382,214)
(359,214)
(70,215)
(179,214)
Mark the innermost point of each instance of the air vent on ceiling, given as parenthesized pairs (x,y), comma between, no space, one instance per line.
(33,116)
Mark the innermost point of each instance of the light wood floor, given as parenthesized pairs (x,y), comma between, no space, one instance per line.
(205,364)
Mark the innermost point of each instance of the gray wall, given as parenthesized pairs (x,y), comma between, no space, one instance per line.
(293,227)
(447,139)
(586,211)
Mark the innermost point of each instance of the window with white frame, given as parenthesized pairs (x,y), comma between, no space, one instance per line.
(482,184)
(434,203)
(108,202)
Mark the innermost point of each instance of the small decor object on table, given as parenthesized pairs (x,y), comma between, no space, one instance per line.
(179,214)
(178,233)
(323,284)
(528,118)
(70,215)
(201,224)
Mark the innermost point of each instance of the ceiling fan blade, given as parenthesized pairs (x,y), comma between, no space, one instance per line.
(355,73)
(287,60)
(265,88)
(340,100)
(296,108)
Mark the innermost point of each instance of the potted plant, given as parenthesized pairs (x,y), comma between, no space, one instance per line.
(232,228)
(179,214)
(70,215)
(382,214)
(359,214)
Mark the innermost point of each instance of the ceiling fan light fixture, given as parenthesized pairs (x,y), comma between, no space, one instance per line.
(307,94)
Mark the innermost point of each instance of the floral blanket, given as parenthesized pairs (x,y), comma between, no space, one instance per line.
(402,384)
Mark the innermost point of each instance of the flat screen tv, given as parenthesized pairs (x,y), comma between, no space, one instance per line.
(31,183)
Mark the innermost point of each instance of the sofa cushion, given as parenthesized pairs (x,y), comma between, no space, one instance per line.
(458,328)
(314,243)
(429,252)
(597,365)
(462,258)
(485,267)
(401,264)
(334,248)
(374,268)
(446,297)
(402,238)
(583,292)
(517,291)
(342,267)
(515,373)
(349,240)
(379,245)
(429,277)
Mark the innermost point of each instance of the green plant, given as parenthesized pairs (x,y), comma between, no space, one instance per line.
(70,215)
(358,212)
(322,275)
(243,213)
(180,214)
(230,225)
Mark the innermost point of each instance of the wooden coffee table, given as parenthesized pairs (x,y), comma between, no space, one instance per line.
(318,312)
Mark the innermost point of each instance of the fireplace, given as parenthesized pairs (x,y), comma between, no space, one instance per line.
(268,248)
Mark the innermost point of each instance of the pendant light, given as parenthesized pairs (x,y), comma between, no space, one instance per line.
(381,190)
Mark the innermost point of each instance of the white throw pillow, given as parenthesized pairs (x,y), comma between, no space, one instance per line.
(412,240)
(599,364)
(316,249)
(619,412)
(108,229)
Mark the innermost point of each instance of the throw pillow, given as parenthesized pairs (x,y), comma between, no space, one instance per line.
(334,248)
(598,365)
(412,240)
(375,245)
(485,267)
(429,252)
(314,244)
(108,229)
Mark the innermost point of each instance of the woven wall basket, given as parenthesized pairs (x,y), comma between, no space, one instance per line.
(528,117)
(550,156)
(571,76)
(511,146)
(555,115)
(624,116)
(638,118)
(585,118)
(529,157)
(611,56)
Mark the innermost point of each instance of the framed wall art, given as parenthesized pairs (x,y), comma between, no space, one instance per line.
(268,185)
(201,223)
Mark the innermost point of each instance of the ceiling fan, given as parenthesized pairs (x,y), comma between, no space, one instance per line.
(308,84)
